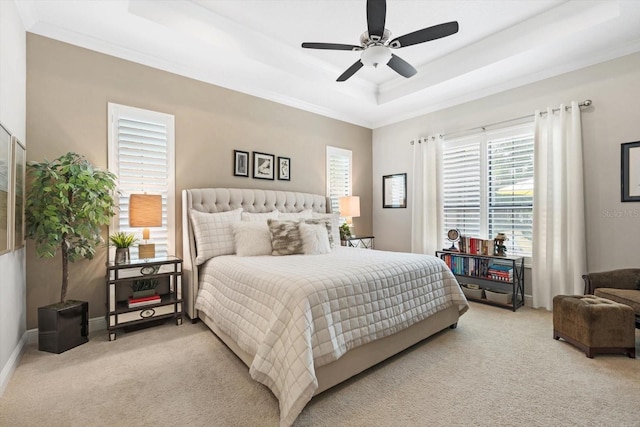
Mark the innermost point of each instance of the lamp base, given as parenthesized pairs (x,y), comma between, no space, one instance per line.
(147,250)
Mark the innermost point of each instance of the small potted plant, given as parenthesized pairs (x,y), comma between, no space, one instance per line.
(67,205)
(345,233)
(122,241)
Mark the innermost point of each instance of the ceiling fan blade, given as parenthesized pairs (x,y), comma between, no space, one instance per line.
(425,35)
(376,15)
(331,46)
(350,71)
(401,66)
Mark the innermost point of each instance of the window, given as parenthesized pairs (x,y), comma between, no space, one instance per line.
(141,154)
(488,186)
(338,175)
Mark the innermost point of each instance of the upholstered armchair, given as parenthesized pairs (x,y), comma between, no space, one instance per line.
(621,285)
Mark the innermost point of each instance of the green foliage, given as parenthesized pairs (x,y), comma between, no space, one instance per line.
(345,231)
(68,202)
(144,284)
(122,239)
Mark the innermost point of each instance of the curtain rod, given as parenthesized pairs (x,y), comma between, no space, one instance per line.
(584,103)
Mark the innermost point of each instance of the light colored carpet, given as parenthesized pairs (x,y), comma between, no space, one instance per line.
(498,368)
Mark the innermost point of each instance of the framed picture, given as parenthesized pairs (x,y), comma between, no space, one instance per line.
(394,191)
(240,163)
(19,166)
(630,159)
(263,167)
(5,180)
(284,168)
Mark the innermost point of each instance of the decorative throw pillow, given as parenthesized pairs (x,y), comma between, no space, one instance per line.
(262,216)
(334,218)
(295,215)
(315,239)
(328,228)
(285,237)
(213,233)
(252,238)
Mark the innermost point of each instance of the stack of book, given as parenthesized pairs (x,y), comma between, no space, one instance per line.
(475,246)
(140,302)
(503,273)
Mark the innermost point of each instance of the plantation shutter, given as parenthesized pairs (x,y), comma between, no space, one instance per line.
(141,155)
(510,188)
(461,175)
(338,175)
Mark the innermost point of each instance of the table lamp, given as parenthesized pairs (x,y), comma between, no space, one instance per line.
(145,210)
(349,208)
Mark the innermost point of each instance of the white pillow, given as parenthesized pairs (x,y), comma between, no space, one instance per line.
(305,214)
(335,226)
(315,239)
(213,233)
(252,238)
(251,216)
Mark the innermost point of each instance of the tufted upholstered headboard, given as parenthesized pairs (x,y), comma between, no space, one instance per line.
(213,200)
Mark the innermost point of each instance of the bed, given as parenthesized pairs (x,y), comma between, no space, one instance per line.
(304,323)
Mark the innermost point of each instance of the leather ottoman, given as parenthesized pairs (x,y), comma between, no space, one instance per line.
(595,325)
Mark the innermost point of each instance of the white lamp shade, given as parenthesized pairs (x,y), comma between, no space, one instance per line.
(349,206)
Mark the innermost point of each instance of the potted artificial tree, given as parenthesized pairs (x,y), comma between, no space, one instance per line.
(68,203)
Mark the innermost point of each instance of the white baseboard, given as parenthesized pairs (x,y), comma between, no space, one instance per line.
(12,363)
(528,301)
(95,324)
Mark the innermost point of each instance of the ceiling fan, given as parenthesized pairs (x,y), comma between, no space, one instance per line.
(375,44)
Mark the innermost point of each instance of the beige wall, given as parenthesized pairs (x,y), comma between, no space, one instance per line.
(68,89)
(613,227)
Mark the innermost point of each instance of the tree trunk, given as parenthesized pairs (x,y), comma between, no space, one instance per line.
(65,269)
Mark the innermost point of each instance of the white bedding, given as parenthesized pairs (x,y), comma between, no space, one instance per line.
(296,313)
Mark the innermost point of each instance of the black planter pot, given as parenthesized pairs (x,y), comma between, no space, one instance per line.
(63,326)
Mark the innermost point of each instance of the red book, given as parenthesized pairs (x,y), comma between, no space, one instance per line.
(144,299)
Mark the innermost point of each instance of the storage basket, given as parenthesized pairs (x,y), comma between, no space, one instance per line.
(472,293)
(501,297)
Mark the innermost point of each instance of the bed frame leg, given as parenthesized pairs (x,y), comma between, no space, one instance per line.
(454,326)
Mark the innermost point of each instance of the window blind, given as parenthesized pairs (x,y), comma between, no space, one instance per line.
(141,155)
(338,175)
(461,187)
(510,191)
(488,186)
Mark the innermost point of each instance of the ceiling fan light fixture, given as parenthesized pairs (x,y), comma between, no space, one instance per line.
(375,55)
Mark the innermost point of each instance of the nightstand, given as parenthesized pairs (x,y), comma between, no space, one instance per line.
(166,272)
(363,242)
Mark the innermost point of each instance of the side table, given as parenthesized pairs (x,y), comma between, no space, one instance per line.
(166,271)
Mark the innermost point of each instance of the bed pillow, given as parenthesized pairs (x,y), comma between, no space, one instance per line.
(262,216)
(213,233)
(285,237)
(315,239)
(334,218)
(295,215)
(251,238)
(328,228)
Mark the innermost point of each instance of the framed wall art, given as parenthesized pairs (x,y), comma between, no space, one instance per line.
(263,165)
(630,171)
(284,168)
(5,181)
(394,191)
(240,163)
(19,168)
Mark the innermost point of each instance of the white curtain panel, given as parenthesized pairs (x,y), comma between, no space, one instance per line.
(425,199)
(559,254)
